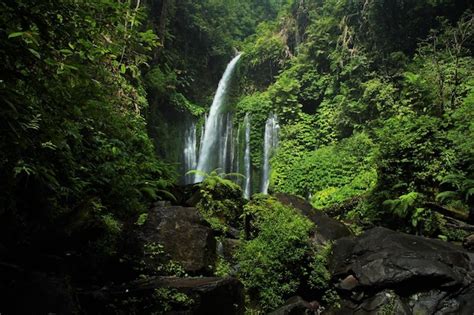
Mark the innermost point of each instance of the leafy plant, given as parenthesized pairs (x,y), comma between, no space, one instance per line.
(271,263)
(221,200)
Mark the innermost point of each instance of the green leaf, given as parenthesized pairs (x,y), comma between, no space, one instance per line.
(66,52)
(123,68)
(35,53)
(16,34)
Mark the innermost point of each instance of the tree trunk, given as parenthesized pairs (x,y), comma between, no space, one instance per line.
(162,22)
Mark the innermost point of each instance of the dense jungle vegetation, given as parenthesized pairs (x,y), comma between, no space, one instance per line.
(375,100)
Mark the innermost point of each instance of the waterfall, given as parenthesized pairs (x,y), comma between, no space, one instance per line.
(236,168)
(211,143)
(247,188)
(201,138)
(270,143)
(190,152)
(232,146)
(225,146)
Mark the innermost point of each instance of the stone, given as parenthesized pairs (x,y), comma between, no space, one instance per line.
(296,306)
(426,302)
(185,236)
(374,270)
(385,302)
(465,299)
(468,242)
(327,228)
(381,258)
(349,283)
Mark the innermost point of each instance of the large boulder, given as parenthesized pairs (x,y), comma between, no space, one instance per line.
(327,228)
(383,270)
(382,258)
(185,236)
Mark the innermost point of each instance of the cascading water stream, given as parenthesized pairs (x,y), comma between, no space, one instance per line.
(225,147)
(190,152)
(270,143)
(237,149)
(201,138)
(210,149)
(247,170)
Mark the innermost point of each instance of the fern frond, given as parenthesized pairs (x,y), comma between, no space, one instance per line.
(167,194)
(446,195)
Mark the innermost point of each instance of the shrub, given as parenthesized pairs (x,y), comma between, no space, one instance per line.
(271,264)
(221,201)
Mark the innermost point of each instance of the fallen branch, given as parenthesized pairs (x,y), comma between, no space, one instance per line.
(446,211)
(457,224)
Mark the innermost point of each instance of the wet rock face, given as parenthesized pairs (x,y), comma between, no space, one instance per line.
(386,271)
(327,229)
(185,236)
(381,258)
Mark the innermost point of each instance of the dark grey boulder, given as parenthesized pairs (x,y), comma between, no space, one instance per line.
(185,236)
(327,228)
(387,272)
(381,258)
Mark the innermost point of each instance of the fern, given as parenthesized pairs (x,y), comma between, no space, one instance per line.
(464,188)
(446,195)
(403,205)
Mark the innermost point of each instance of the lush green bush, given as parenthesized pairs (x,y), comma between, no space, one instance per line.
(336,166)
(359,186)
(272,262)
(221,201)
